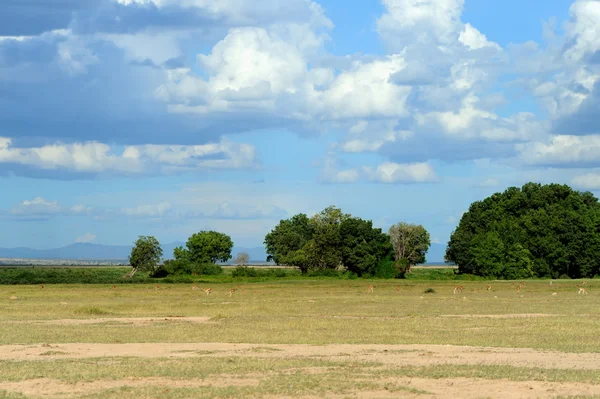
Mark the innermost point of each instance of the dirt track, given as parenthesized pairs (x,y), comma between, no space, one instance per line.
(414,355)
(391,355)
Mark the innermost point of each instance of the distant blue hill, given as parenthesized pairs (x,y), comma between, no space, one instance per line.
(107,252)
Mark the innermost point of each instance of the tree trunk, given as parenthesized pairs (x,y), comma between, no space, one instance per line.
(133,271)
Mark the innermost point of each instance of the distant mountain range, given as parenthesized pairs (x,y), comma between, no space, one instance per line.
(121,252)
(107,252)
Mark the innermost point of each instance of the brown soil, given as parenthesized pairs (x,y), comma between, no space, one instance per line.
(390,355)
(500,316)
(414,355)
(114,320)
(44,387)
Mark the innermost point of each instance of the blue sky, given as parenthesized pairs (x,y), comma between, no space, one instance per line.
(121,118)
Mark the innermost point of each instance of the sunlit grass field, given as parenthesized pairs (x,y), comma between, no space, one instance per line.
(286,311)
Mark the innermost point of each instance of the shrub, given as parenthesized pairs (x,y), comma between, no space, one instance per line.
(244,271)
(386,269)
(210,269)
(324,273)
(429,291)
(183,267)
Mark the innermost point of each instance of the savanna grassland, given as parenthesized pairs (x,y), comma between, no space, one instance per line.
(301,337)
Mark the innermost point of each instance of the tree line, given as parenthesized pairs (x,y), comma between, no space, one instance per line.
(330,240)
(533,231)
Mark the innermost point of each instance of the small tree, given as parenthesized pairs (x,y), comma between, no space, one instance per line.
(410,243)
(242,258)
(206,247)
(145,255)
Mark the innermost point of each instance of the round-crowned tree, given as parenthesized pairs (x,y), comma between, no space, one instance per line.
(536,230)
(206,247)
(145,255)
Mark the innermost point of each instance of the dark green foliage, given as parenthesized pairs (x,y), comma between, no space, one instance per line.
(205,247)
(330,240)
(180,267)
(538,230)
(244,271)
(363,247)
(63,275)
(386,268)
(288,237)
(145,255)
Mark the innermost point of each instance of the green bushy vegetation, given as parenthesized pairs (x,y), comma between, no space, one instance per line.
(534,231)
(23,275)
(63,275)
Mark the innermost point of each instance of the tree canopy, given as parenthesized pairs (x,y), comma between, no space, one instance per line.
(145,255)
(410,243)
(205,247)
(329,240)
(537,230)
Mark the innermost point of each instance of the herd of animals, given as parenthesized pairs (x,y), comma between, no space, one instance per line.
(457,288)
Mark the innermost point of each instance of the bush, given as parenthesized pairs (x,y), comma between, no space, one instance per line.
(385,269)
(324,273)
(182,267)
(245,271)
(350,275)
(429,291)
(210,269)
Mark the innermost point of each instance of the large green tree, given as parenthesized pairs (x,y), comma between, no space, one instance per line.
(411,242)
(285,242)
(536,230)
(205,247)
(145,255)
(330,239)
(363,247)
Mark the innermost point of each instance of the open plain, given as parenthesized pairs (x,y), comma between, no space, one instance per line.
(301,338)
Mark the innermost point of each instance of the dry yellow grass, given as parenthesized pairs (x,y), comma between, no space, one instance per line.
(382,344)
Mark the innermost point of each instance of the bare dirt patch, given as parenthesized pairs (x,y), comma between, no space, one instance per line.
(400,355)
(115,320)
(45,387)
(501,316)
(480,388)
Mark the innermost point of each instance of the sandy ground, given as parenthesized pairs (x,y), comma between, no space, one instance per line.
(392,355)
(414,355)
(389,355)
(115,320)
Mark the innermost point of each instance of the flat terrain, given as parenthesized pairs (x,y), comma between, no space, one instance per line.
(301,338)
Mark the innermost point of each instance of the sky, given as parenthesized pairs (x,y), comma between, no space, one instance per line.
(121,118)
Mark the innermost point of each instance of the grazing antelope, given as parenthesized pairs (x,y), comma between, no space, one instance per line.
(397,288)
(458,288)
(113,287)
(550,282)
(554,293)
(582,291)
(207,290)
(41,286)
(370,289)
(489,287)
(195,287)
(231,291)
(583,283)
(157,287)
